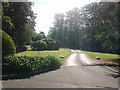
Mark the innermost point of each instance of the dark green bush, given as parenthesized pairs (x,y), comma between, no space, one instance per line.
(48,40)
(52,44)
(28,64)
(53,61)
(39,45)
(8,45)
(56,45)
(21,48)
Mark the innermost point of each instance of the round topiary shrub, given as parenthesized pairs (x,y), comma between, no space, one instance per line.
(50,45)
(8,45)
(56,45)
(39,45)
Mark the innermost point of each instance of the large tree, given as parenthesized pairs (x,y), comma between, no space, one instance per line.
(23,20)
(57,31)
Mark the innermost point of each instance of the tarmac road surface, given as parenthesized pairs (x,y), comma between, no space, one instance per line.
(77,71)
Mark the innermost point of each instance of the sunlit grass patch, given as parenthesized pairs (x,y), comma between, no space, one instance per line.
(58,53)
(102,55)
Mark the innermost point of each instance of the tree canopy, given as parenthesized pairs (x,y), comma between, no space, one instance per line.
(18,20)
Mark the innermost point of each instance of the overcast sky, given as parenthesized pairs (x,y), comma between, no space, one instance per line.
(46,9)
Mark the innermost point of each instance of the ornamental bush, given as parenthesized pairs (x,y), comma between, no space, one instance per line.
(52,44)
(56,45)
(39,45)
(8,45)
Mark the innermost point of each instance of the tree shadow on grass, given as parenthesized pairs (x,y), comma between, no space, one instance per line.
(26,75)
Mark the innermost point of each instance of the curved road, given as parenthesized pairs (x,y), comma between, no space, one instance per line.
(77,71)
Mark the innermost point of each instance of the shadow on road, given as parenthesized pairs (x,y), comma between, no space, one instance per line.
(114,75)
(12,76)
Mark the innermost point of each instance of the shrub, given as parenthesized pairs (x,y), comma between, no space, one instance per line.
(47,40)
(21,48)
(52,44)
(29,64)
(53,61)
(39,45)
(56,45)
(8,45)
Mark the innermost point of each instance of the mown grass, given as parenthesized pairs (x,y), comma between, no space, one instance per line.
(101,55)
(57,53)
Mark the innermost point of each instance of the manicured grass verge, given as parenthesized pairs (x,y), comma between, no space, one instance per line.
(101,55)
(57,53)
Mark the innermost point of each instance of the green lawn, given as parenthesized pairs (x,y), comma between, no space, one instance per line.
(102,55)
(58,53)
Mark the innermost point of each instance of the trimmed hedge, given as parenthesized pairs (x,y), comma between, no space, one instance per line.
(56,45)
(17,64)
(39,45)
(21,48)
(52,44)
(8,45)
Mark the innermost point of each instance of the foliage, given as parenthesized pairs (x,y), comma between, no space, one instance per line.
(28,64)
(39,45)
(47,39)
(21,48)
(52,44)
(18,21)
(8,45)
(6,21)
(39,36)
(57,45)
(94,27)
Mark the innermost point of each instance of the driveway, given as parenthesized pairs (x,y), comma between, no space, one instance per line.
(77,71)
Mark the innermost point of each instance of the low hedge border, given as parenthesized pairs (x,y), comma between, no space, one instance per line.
(26,65)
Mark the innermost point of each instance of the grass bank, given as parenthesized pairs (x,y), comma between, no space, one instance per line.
(101,55)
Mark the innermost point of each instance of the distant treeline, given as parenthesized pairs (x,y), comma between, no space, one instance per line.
(93,27)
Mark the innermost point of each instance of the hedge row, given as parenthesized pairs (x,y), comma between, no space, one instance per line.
(45,45)
(39,45)
(28,64)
